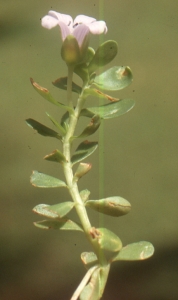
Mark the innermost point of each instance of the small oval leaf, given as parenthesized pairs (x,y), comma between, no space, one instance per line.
(45,181)
(114,79)
(61,209)
(54,211)
(112,206)
(85,149)
(106,239)
(103,55)
(84,194)
(91,127)
(82,71)
(99,94)
(82,169)
(41,209)
(56,156)
(135,251)
(110,110)
(61,83)
(62,224)
(42,129)
(89,259)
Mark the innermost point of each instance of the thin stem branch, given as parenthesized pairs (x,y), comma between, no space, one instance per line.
(83,283)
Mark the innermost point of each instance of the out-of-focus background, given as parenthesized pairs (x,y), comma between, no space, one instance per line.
(137,158)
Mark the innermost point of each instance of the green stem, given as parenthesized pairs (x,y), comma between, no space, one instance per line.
(74,191)
(69,85)
(68,172)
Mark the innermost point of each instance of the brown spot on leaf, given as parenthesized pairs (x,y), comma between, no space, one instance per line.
(112,99)
(37,86)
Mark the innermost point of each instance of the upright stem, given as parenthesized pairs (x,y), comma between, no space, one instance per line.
(69,85)
(68,172)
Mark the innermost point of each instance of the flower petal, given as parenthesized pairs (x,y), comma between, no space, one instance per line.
(66,19)
(82,19)
(49,22)
(98,27)
(65,30)
(80,32)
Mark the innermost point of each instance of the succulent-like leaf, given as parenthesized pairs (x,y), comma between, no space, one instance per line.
(82,169)
(112,206)
(84,194)
(56,124)
(62,224)
(65,121)
(99,94)
(56,156)
(89,259)
(91,127)
(41,209)
(136,251)
(85,149)
(42,129)
(82,71)
(46,95)
(103,55)
(61,83)
(45,181)
(89,55)
(106,239)
(54,211)
(110,110)
(114,79)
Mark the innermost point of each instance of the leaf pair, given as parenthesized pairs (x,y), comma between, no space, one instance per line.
(56,214)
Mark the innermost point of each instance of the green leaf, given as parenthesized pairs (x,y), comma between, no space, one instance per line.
(89,259)
(82,71)
(56,156)
(84,194)
(92,290)
(103,55)
(85,149)
(135,251)
(110,110)
(106,239)
(91,127)
(65,121)
(82,169)
(56,124)
(61,83)
(112,206)
(99,94)
(114,79)
(54,211)
(41,209)
(62,224)
(42,129)
(45,181)
(46,95)
(89,55)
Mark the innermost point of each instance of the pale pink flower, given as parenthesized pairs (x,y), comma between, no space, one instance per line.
(79,28)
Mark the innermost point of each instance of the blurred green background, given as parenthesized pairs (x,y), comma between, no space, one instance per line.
(137,158)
